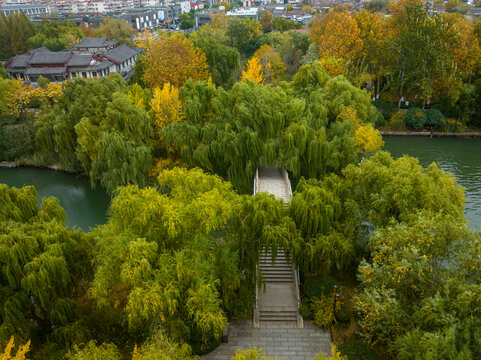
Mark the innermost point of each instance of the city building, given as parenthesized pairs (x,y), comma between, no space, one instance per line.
(89,58)
(252,13)
(30,10)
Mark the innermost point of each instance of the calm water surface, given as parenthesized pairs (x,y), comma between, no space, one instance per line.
(462,157)
(85,207)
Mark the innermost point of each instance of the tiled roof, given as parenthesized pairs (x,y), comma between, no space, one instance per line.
(95,43)
(122,53)
(80,60)
(46,71)
(57,58)
(19,61)
(101,66)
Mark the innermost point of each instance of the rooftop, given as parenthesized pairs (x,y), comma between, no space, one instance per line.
(95,43)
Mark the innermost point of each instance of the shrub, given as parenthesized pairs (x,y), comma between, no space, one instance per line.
(357,350)
(323,311)
(318,285)
(452,125)
(397,120)
(16,141)
(386,108)
(415,118)
(343,316)
(434,118)
(380,120)
(305,310)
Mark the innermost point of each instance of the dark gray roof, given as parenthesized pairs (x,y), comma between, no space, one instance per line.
(101,66)
(57,58)
(46,71)
(122,53)
(41,49)
(80,60)
(19,61)
(95,43)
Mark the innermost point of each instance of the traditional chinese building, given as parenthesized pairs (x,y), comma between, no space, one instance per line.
(92,57)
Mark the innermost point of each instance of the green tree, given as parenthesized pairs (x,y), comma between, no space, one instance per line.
(55,35)
(282,24)
(231,133)
(42,264)
(92,351)
(418,292)
(186,21)
(377,5)
(116,29)
(241,31)
(420,53)
(223,60)
(20,29)
(96,128)
(5,41)
(386,189)
(161,254)
(266,20)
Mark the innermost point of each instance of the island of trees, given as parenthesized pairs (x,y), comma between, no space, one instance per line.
(177,149)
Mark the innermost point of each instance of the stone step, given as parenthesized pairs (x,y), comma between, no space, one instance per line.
(281,270)
(277,280)
(277,263)
(278,316)
(270,309)
(276,271)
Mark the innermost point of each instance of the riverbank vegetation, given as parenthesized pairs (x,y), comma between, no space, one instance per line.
(177,258)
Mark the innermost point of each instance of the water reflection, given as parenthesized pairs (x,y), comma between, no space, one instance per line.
(85,207)
(462,157)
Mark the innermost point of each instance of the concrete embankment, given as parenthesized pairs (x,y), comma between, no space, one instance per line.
(428,133)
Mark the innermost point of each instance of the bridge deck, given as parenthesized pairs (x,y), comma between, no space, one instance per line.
(271,180)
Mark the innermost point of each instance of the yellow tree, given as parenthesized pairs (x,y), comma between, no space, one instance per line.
(341,38)
(166,107)
(254,71)
(20,355)
(174,59)
(272,65)
(367,139)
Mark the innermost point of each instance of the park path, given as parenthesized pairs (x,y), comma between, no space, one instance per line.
(285,342)
(277,328)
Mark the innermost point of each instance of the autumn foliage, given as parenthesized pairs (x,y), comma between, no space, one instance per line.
(174,59)
(254,71)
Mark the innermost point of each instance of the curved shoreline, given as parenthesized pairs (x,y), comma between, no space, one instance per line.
(13,164)
(465,134)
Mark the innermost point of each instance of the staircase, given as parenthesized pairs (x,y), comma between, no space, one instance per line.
(277,297)
(278,302)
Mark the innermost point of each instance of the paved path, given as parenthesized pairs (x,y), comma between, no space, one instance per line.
(272,181)
(285,342)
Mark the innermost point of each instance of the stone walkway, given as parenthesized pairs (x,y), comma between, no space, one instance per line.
(272,181)
(284,342)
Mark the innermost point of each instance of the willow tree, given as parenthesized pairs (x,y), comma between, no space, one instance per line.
(261,224)
(419,294)
(162,259)
(95,128)
(223,60)
(41,264)
(231,133)
(319,213)
(385,189)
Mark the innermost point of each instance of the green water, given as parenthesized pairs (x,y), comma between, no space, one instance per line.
(85,207)
(460,156)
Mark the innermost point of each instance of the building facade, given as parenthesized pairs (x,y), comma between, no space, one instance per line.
(94,57)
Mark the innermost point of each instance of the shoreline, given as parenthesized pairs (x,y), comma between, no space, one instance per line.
(13,164)
(465,134)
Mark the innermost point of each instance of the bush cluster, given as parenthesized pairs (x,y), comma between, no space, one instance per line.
(357,350)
